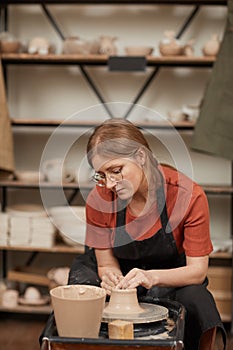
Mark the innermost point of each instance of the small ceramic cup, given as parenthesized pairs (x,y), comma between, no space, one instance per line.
(10,298)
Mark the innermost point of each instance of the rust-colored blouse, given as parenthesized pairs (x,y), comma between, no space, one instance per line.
(187,209)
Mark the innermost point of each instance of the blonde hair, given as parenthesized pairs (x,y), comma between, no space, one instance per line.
(120,138)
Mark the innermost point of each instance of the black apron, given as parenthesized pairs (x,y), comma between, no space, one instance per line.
(160,252)
(156,252)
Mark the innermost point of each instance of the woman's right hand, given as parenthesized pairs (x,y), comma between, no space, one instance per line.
(110,279)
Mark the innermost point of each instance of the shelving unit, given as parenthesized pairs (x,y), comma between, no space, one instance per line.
(156,62)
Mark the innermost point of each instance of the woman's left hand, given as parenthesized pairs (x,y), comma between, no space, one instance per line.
(134,278)
(110,279)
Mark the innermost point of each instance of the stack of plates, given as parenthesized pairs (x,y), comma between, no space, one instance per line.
(30,226)
(42,232)
(19,233)
(70,222)
(3,229)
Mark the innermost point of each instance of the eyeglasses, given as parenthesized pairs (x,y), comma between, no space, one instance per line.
(113,176)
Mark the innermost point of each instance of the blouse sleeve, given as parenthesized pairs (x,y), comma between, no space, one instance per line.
(197,240)
(100,218)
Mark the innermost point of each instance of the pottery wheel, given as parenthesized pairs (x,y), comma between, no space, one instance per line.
(151,313)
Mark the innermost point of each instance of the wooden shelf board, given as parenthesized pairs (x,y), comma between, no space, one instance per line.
(221,255)
(79,249)
(48,185)
(211,189)
(25,58)
(121,2)
(218,189)
(44,309)
(54,123)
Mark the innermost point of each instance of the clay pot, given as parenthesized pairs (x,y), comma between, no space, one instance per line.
(123,302)
(78,310)
(212,46)
(169,45)
(8,43)
(107,45)
(10,46)
(75,45)
(188,49)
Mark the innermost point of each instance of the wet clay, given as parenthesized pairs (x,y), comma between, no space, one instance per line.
(123,301)
(124,305)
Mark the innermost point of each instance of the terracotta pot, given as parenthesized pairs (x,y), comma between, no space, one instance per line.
(78,310)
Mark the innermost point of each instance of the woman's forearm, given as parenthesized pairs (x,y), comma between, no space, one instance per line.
(193,273)
(176,277)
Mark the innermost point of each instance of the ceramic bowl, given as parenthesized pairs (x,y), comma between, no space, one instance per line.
(72,234)
(10,46)
(29,176)
(70,222)
(74,45)
(138,50)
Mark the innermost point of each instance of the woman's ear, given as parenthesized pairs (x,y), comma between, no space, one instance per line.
(140,157)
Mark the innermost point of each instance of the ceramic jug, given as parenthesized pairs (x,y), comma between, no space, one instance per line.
(211,47)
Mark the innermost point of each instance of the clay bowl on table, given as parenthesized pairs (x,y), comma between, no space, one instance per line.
(138,50)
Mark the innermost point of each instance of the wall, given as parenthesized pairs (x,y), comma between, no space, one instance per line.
(58,92)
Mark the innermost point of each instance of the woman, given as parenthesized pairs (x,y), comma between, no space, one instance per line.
(147,228)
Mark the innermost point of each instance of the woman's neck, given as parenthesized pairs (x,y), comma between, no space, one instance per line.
(142,201)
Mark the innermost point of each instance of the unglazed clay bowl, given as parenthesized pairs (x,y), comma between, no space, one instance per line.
(138,50)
